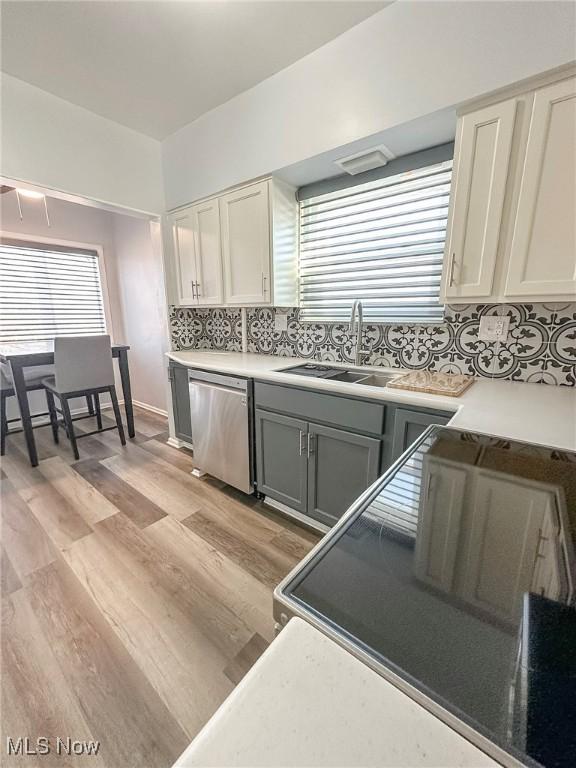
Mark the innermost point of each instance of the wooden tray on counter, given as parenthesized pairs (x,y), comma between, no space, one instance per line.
(433,383)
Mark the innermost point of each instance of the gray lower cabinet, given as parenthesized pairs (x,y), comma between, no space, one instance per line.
(281,458)
(178,375)
(341,466)
(409,425)
(311,468)
(317,452)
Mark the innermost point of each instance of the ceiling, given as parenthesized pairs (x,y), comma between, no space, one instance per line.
(156,66)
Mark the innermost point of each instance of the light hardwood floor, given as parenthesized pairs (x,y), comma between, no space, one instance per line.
(134,595)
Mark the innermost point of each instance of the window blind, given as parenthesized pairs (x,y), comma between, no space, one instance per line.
(381,242)
(47,292)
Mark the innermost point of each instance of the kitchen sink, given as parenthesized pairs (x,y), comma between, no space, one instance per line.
(376,380)
(326,372)
(348,376)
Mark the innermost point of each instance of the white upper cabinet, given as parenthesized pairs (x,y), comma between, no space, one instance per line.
(206,223)
(245,216)
(198,268)
(237,249)
(483,147)
(543,250)
(186,275)
(512,210)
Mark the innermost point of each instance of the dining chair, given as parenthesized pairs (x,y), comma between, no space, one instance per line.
(33,379)
(82,368)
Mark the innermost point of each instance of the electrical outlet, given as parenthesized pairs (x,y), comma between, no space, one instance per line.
(493,328)
(280,322)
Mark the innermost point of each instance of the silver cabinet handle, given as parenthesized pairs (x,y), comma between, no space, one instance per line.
(301,443)
(193,284)
(310,444)
(451,280)
(263,283)
(198,294)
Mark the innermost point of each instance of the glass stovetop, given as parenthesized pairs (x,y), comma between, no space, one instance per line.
(458,574)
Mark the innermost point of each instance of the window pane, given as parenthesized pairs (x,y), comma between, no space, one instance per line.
(381,242)
(46,292)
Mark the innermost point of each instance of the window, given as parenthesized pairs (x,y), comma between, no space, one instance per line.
(381,242)
(48,291)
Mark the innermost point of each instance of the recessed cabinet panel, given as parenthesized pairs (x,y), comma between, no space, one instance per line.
(341,466)
(484,143)
(184,254)
(206,218)
(409,425)
(245,222)
(543,250)
(282,458)
(178,375)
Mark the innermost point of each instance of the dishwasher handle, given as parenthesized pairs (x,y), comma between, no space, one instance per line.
(218,379)
(205,385)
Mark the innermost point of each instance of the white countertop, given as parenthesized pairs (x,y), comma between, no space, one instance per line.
(308,702)
(534,413)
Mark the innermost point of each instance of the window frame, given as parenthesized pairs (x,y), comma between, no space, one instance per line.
(39,240)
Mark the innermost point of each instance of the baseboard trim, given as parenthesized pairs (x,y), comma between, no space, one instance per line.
(176,443)
(307,521)
(151,408)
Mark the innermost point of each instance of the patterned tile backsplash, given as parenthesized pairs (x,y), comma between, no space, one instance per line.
(541,343)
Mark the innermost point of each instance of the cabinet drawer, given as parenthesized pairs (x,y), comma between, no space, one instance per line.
(356,415)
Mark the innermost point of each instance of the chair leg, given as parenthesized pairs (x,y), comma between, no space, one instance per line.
(98,412)
(53,415)
(69,425)
(116,408)
(3,423)
(90,404)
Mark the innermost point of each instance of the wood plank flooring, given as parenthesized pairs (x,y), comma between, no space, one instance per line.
(134,595)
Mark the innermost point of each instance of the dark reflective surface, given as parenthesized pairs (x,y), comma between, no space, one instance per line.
(460,576)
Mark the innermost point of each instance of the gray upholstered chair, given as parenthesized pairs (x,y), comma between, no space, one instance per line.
(82,368)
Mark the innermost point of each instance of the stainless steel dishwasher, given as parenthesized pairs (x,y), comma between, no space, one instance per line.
(221,427)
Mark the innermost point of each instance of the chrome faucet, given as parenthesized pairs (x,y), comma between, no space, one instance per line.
(356,326)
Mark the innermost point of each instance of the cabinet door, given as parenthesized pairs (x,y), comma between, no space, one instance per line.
(206,222)
(484,143)
(184,256)
(181,402)
(409,425)
(281,458)
(245,223)
(543,250)
(341,465)
(505,531)
(439,523)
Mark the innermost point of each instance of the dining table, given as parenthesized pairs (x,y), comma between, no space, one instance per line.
(28,354)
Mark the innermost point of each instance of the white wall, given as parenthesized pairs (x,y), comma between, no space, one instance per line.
(139,269)
(409,60)
(55,144)
(133,274)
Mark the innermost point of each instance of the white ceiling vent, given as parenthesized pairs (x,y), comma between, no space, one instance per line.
(366,160)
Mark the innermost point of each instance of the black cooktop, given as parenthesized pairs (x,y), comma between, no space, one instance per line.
(458,574)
